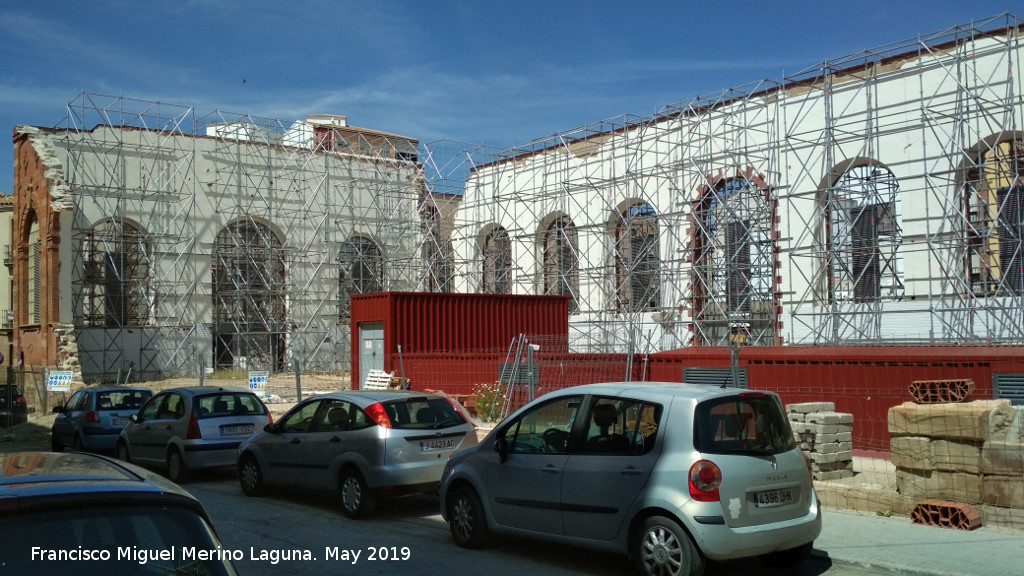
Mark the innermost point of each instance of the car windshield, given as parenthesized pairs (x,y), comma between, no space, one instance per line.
(122,399)
(422,413)
(119,539)
(751,423)
(228,404)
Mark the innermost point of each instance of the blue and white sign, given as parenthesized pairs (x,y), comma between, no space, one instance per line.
(258,382)
(59,381)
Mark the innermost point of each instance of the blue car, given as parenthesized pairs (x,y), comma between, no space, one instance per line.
(94,417)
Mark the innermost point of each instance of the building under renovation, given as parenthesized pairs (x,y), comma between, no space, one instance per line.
(152,242)
(871,198)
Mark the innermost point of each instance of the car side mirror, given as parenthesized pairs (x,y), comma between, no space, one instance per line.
(58,409)
(501,447)
(271,428)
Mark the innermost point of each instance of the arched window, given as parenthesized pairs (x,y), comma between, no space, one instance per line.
(34,254)
(496,258)
(361,270)
(116,276)
(864,236)
(637,259)
(994,206)
(733,279)
(437,252)
(249,297)
(561,270)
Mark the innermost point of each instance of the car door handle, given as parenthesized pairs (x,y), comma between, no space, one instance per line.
(169,427)
(335,439)
(631,471)
(295,440)
(549,469)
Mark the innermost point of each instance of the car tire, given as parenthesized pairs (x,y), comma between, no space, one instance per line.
(250,477)
(122,451)
(76,444)
(466,518)
(787,558)
(55,445)
(662,547)
(357,499)
(177,470)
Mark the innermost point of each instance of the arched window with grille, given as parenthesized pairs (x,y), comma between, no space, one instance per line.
(864,237)
(994,205)
(496,262)
(733,279)
(116,288)
(361,270)
(561,261)
(637,259)
(437,252)
(249,288)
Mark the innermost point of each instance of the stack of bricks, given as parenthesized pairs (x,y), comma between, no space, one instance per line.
(970,452)
(826,436)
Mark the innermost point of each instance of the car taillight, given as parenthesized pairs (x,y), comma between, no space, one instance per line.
(20,401)
(92,417)
(378,414)
(458,409)
(705,478)
(271,416)
(194,433)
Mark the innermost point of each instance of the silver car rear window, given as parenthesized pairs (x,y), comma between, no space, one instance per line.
(422,414)
(751,423)
(228,404)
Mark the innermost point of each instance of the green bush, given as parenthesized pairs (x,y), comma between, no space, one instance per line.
(488,401)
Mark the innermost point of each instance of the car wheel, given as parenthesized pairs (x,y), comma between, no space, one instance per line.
(466,518)
(76,443)
(250,476)
(122,452)
(177,470)
(55,445)
(357,500)
(661,547)
(787,558)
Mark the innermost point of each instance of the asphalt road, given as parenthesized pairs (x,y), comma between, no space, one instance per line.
(406,536)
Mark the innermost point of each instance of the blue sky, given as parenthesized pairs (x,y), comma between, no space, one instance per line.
(497,74)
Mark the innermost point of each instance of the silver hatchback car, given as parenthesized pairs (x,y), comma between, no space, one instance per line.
(670,474)
(360,445)
(186,429)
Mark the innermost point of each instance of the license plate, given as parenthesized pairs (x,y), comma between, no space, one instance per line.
(770,498)
(236,429)
(439,444)
(120,421)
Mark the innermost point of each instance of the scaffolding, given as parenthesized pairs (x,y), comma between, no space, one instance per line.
(227,241)
(874,198)
(868,199)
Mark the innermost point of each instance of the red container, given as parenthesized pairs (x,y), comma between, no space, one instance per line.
(458,323)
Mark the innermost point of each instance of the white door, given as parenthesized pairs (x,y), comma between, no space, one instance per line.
(371,349)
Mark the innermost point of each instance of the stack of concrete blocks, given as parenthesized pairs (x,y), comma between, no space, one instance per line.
(971,452)
(826,436)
